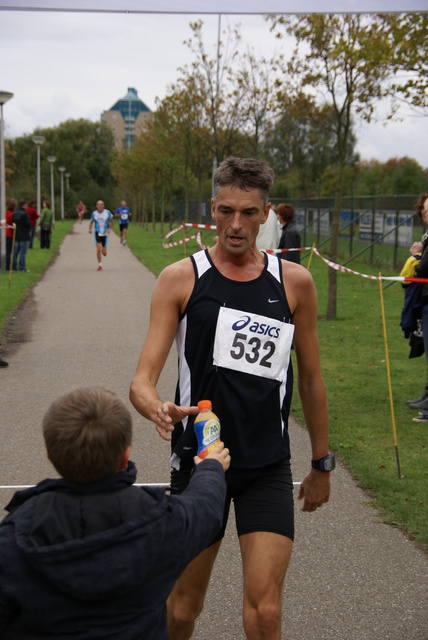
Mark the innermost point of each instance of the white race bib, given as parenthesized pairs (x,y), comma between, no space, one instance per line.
(252,344)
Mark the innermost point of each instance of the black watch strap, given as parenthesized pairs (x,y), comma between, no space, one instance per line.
(328,463)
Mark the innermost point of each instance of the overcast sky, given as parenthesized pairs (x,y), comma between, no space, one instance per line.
(75,65)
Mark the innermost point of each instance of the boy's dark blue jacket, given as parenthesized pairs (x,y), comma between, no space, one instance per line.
(98,561)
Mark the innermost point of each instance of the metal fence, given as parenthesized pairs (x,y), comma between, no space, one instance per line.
(376,228)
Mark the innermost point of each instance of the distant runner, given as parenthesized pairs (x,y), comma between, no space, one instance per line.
(124,215)
(103,220)
(81,210)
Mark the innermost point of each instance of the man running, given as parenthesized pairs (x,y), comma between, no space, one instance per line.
(124,215)
(235,312)
(103,220)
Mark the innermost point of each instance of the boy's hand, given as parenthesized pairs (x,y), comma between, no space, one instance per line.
(220,453)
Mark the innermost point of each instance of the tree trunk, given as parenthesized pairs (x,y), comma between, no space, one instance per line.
(162,210)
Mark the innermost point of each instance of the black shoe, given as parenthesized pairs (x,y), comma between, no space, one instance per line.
(419,403)
(3,363)
(422,417)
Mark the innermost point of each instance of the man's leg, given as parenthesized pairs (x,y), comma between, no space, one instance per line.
(15,256)
(23,255)
(265,558)
(99,246)
(186,600)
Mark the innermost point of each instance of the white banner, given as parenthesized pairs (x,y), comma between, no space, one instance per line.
(234,7)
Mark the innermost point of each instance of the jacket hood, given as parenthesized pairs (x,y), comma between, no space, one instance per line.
(91,541)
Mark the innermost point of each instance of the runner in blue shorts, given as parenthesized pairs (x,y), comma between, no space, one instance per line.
(124,215)
(103,221)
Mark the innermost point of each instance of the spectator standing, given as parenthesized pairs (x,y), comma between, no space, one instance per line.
(46,226)
(268,235)
(290,235)
(124,215)
(90,556)
(421,271)
(34,216)
(22,236)
(10,208)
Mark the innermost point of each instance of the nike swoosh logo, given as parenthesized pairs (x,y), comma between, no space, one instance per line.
(269,300)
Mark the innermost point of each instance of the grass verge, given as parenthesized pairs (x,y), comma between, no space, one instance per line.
(14,290)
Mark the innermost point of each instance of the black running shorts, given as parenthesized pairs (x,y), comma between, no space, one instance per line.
(101,239)
(263,498)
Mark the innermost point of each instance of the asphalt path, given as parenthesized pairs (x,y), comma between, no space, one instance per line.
(351,576)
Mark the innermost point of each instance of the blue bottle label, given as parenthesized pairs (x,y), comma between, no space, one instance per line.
(208,435)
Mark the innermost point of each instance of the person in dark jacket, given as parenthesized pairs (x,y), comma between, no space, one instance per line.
(22,236)
(46,225)
(421,271)
(290,235)
(90,555)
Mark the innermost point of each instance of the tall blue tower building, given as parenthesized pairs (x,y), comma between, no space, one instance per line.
(128,118)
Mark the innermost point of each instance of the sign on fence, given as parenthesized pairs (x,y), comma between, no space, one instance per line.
(404,231)
(367,232)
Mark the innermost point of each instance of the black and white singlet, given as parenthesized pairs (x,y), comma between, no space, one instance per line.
(234,344)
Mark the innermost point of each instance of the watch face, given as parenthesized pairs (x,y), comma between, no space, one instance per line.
(329,463)
(325,464)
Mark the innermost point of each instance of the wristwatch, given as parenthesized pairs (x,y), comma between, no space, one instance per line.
(327,463)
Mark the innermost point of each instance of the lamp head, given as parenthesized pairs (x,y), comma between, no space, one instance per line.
(5,96)
(38,139)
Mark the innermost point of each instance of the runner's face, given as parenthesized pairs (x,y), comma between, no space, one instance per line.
(238,215)
(100,205)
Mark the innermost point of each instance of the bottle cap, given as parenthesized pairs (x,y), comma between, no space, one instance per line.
(203,405)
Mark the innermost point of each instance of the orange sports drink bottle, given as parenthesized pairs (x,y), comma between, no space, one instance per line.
(207,428)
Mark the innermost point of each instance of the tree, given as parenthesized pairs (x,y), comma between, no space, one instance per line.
(409,36)
(85,148)
(300,145)
(344,61)
(258,82)
(223,95)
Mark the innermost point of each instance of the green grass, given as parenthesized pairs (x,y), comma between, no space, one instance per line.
(13,290)
(353,359)
(354,366)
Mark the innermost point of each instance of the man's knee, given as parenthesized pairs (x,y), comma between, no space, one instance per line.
(263,620)
(185,608)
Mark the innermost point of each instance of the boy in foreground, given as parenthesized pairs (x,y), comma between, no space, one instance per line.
(89,555)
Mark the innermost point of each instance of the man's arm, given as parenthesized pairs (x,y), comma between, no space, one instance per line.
(301,293)
(169,299)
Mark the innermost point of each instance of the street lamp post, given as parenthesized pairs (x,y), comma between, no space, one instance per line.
(67,181)
(38,141)
(51,160)
(61,170)
(4,97)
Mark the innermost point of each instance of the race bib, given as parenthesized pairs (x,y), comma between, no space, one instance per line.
(124,216)
(252,344)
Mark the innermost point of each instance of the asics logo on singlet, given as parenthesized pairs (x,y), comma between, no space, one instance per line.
(256,327)
(241,323)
